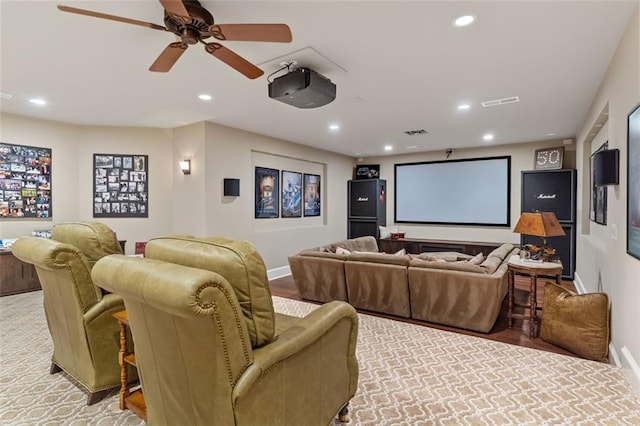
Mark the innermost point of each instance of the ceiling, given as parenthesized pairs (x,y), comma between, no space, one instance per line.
(398,66)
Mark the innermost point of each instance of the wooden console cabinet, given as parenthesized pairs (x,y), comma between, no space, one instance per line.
(414,245)
(16,276)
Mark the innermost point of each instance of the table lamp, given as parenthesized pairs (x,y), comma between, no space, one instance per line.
(543,225)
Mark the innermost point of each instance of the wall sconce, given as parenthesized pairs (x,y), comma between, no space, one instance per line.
(231,187)
(185,166)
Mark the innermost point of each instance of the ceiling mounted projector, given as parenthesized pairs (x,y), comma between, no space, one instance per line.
(303,88)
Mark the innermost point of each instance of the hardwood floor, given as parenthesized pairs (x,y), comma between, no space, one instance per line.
(517,335)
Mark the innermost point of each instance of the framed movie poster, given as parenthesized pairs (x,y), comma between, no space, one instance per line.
(25,182)
(267,193)
(311,195)
(598,210)
(120,185)
(633,182)
(291,194)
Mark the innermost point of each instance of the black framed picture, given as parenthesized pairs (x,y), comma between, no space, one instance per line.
(311,195)
(267,192)
(367,171)
(598,205)
(25,182)
(633,182)
(291,194)
(120,185)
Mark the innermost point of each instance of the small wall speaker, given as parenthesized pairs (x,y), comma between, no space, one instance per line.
(231,187)
(606,167)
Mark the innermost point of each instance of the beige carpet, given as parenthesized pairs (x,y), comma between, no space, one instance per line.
(409,375)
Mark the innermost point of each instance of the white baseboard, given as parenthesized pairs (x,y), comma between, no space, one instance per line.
(632,371)
(274,273)
(613,355)
(579,284)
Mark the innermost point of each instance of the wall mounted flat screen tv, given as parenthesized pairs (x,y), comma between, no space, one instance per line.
(454,192)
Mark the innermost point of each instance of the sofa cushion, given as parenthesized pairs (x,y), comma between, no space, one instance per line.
(379,258)
(238,262)
(462,266)
(322,253)
(94,239)
(444,256)
(477,259)
(576,322)
(490,264)
(367,243)
(502,251)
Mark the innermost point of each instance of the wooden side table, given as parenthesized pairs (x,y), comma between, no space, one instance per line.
(533,270)
(133,401)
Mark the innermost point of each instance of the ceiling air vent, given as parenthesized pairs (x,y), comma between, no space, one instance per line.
(416,132)
(503,101)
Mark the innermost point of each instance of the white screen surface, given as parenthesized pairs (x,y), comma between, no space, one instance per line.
(472,192)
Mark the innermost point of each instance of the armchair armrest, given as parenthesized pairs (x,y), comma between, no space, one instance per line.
(293,342)
(110,303)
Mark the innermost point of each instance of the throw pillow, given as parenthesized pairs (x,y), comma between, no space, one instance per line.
(340,250)
(400,252)
(576,322)
(477,259)
(385,231)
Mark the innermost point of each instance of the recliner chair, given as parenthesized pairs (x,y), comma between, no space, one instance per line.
(210,349)
(79,316)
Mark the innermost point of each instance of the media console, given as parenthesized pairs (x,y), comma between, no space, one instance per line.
(415,245)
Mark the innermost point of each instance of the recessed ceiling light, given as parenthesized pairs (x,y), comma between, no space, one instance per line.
(334,127)
(550,134)
(464,106)
(388,147)
(463,21)
(205,97)
(38,101)
(412,147)
(488,137)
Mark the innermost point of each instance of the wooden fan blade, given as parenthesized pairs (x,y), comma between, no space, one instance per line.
(168,57)
(110,17)
(234,60)
(252,32)
(176,8)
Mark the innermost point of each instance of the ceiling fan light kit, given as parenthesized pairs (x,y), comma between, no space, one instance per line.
(193,24)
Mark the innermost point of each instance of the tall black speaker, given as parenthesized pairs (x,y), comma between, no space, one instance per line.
(553,191)
(367,207)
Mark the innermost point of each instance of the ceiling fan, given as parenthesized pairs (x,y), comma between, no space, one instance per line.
(192,23)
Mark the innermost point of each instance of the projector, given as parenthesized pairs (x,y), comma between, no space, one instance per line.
(303,88)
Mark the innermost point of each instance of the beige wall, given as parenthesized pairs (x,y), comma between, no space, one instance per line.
(521,159)
(72,173)
(602,261)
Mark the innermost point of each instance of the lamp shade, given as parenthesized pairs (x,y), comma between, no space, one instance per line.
(539,224)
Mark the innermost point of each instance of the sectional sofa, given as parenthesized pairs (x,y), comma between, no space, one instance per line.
(447,288)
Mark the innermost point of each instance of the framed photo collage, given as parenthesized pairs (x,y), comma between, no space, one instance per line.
(120,185)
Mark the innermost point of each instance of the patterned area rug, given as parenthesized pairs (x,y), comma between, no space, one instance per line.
(409,375)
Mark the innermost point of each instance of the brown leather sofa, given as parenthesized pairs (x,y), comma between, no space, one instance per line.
(460,294)
(319,273)
(79,315)
(209,347)
(445,288)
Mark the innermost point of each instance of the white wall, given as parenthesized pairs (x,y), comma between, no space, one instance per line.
(522,156)
(601,258)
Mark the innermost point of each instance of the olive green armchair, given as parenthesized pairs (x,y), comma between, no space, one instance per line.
(79,316)
(211,350)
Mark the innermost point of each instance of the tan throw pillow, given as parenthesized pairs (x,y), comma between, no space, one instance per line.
(477,259)
(340,250)
(576,322)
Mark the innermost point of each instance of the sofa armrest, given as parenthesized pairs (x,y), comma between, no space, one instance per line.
(110,303)
(324,340)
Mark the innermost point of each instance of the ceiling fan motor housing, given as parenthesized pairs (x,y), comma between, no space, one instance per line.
(303,88)
(194,29)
